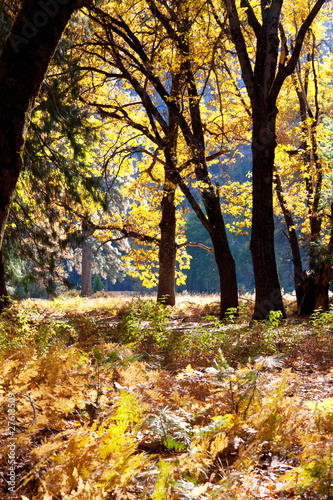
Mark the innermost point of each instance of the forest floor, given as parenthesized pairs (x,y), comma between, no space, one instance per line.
(117,397)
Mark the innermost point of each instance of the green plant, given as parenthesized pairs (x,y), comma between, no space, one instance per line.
(323,319)
(147,320)
(269,331)
(98,284)
(105,362)
(315,474)
(173,429)
(240,384)
(162,487)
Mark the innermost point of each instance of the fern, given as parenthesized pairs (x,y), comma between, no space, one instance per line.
(174,430)
(162,487)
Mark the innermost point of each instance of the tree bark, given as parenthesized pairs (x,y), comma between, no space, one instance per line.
(324,273)
(214,221)
(268,290)
(318,289)
(167,249)
(23,64)
(223,257)
(324,277)
(86,288)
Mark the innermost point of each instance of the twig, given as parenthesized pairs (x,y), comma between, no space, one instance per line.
(33,407)
(198,244)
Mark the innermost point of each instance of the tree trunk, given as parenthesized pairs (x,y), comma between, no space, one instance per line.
(224,260)
(4,298)
(167,250)
(268,291)
(23,64)
(209,193)
(324,276)
(324,273)
(226,267)
(263,84)
(293,240)
(86,288)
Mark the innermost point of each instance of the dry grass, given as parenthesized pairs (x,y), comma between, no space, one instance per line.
(192,306)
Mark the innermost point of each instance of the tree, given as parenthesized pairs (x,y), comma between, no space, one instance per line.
(165,82)
(86,264)
(302,171)
(66,167)
(27,51)
(263,81)
(165,140)
(98,285)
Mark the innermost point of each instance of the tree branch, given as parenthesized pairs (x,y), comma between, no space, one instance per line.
(286,71)
(198,244)
(239,42)
(251,17)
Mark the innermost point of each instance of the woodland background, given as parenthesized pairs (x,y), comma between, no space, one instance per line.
(171,146)
(139,147)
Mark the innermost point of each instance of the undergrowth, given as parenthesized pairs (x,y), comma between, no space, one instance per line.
(138,401)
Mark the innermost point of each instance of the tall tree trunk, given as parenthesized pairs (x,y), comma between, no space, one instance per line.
(209,193)
(223,257)
(293,240)
(324,273)
(167,250)
(268,291)
(23,64)
(315,281)
(86,288)
(323,281)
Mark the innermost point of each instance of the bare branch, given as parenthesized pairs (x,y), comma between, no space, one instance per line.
(251,17)
(239,42)
(198,244)
(283,73)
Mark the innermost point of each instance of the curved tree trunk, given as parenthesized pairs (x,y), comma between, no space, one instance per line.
(23,64)
(214,222)
(223,257)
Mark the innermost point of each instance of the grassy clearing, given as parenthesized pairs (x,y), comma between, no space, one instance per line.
(121,398)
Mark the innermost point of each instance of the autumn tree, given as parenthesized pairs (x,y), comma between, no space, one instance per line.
(300,158)
(165,81)
(160,137)
(263,79)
